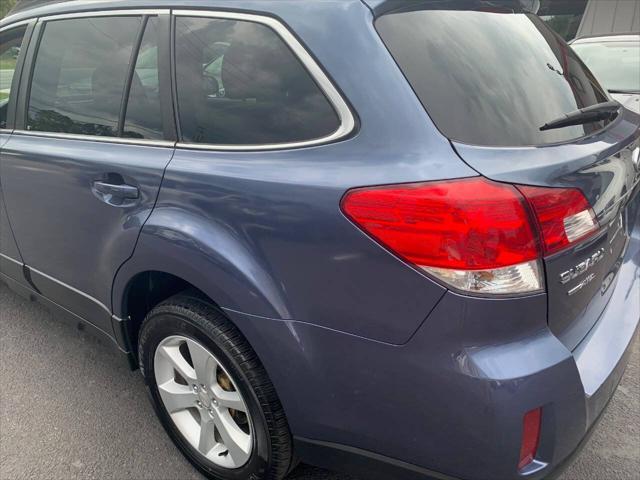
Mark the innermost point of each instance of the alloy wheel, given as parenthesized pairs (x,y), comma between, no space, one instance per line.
(203,402)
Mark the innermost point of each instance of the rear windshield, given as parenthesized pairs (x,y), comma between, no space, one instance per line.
(490,76)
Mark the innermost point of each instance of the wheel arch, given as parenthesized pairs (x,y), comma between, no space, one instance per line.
(210,257)
(178,250)
(142,293)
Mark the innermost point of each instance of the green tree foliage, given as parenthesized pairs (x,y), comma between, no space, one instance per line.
(5,6)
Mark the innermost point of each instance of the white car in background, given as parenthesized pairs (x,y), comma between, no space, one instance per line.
(615,61)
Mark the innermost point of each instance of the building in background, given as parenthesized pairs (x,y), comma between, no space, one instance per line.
(604,17)
(563,16)
(582,18)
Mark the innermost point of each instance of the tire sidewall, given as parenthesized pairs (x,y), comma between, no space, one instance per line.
(161,325)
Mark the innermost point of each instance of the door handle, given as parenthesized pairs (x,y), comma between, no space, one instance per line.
(125,192)
(115,194)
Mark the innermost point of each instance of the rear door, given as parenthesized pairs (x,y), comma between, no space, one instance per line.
(82,170)
(12,40)
(490,77)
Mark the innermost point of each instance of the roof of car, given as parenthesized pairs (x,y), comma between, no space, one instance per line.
(28,9)
(608,38)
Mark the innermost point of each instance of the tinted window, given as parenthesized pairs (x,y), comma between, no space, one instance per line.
(143,118)
(489,76)
(239,83)
(80,72)
(10,44)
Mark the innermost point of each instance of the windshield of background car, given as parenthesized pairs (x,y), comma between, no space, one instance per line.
(616,64)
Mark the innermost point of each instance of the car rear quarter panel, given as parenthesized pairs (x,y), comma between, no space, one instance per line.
(262,232)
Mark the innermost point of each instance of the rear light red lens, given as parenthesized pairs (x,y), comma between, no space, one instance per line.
(564,216)
(530,437)
(474,234)
(470,224)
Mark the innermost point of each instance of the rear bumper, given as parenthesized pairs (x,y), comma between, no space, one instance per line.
(560,468)
(450,402)
(377,467)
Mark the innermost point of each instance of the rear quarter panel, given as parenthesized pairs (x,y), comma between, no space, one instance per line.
(262,232)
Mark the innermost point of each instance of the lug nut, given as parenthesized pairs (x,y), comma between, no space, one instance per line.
(195,388)
(199,403)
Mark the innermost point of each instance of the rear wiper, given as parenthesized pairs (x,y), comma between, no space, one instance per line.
(628,90)
(594,113)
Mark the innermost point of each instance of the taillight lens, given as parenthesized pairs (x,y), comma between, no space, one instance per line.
(530,437)
(563,214)
(473,234)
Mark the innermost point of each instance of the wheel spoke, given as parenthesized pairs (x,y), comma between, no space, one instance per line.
(207,434)
(203,363)
(234,439)
(231,400)
(176,397)
(179,363)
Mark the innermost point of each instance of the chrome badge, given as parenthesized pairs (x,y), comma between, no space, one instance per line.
(588,279)
(582,267)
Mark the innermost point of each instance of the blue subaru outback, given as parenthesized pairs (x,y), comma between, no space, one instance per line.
(397,238)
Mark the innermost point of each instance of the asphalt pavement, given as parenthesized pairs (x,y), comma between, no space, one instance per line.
(71,409)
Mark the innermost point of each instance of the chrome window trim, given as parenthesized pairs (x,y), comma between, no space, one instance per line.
(345,116)
(95,138)
(104,13)
(94,13)
(17,24)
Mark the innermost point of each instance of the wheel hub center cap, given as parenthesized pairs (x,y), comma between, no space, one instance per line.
(204,399)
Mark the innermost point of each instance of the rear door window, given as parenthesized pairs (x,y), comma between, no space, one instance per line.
(10,45)
(80,73)
(238,83)
(490,75)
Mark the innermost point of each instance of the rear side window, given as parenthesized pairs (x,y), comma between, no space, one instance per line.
(10,45)
(80,73)
(490,76)
(238,83)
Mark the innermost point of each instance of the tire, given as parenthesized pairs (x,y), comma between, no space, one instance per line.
(196,323)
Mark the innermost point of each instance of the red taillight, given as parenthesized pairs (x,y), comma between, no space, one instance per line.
(471,224)
(563,214)
(530,437)
(474,234)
